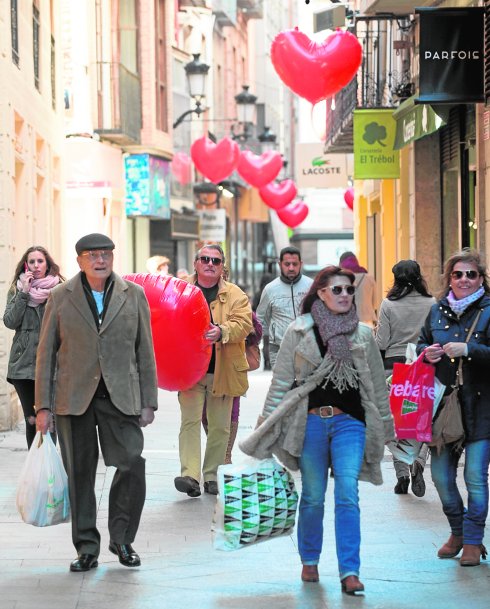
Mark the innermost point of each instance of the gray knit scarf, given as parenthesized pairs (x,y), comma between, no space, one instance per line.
(333,328)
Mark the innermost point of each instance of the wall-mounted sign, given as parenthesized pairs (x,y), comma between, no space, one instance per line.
(374,140)
(212,225)
(451,55)
(414,121)
(314,169)
(147,186)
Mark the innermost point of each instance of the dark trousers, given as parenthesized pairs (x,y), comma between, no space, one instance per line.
(25,391)
(121,442)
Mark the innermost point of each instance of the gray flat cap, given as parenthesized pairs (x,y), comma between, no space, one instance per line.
(94,241)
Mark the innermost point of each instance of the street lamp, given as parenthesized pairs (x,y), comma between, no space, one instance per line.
(267,140)
(196,72)
(245,104)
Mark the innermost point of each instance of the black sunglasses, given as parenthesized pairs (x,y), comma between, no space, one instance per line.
(208,259)
(469,274)
(338,289)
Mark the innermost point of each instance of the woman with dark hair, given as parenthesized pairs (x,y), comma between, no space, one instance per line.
(401,316)
(461,356)
(35,276)
(365,288)
(335,416)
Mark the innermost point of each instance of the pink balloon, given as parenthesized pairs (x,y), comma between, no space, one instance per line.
(179,318)
(314,70)
(349,198)
(279,195)
(215,161)
(294,213)
(259,170)
(181,167)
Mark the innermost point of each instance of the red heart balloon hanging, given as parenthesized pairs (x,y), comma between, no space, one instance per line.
(294,213)
(314,70)
(181,167)
(215,161)
(349,198)
(279,195)
(179,317)
(259,170)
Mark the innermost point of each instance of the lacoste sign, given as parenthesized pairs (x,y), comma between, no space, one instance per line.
(317,170)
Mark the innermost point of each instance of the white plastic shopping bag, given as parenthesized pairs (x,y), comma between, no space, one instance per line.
(42,491)
(257,500)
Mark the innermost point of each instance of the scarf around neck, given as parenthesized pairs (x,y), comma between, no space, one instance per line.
(40,289)
(333,328)
(460,306)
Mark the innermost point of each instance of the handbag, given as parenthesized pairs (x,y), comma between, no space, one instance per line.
(447,426)
(42,491)
(257,500)
(252,353)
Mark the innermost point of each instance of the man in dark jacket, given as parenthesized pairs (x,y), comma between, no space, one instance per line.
(96,373)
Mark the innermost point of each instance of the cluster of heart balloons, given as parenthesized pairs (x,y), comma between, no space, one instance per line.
(179,317)
(216,161)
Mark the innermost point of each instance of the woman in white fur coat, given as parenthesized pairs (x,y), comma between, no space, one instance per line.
(327,407)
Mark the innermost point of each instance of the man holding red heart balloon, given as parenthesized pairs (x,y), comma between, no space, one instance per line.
(226,377)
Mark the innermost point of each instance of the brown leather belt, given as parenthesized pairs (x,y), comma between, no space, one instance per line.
(326,412)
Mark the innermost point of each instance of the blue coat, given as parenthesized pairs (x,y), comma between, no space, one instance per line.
(443,326)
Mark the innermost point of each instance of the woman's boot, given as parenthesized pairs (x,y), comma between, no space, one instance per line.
(452,547)
(471,555)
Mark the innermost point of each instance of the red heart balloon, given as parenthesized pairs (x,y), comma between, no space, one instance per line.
(179,318)
(294,213)
(259,170)
(314,70)
(215,161)
(349,198)
(181,167)
(279,195)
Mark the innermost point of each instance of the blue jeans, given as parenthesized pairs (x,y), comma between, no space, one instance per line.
(337,441)
(468,522)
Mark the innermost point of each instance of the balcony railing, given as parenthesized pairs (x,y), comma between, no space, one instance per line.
(384,80)
(339,126)
(118,104)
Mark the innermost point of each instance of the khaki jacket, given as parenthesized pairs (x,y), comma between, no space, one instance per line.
(73,354)
(232,312)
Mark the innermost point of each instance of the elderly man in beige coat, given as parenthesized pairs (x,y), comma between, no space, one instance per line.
(226,377)
(96,373)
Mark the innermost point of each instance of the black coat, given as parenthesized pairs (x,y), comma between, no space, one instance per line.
(443,326)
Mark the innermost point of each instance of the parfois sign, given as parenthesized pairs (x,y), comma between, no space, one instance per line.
(451,55)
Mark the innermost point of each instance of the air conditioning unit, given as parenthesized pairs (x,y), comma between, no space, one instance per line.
(329,19)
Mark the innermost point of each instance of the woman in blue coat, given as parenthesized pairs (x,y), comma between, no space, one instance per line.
(443,336)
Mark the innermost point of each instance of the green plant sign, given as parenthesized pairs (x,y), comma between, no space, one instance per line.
(374,139)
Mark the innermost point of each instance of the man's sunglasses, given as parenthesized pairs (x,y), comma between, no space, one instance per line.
(469,274)
(208,259)
(338,289)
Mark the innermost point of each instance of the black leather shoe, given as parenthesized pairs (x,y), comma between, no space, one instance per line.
(211,487)
(127,556)
(186,484)
(84,562)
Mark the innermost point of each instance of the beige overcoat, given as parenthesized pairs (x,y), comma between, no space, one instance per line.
(285,409)
(73,354)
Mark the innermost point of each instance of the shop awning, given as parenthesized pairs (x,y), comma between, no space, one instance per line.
(414,121)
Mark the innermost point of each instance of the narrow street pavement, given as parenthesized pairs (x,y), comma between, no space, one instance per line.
(180,568)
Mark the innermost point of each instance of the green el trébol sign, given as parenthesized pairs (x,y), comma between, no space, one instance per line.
(374,140)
